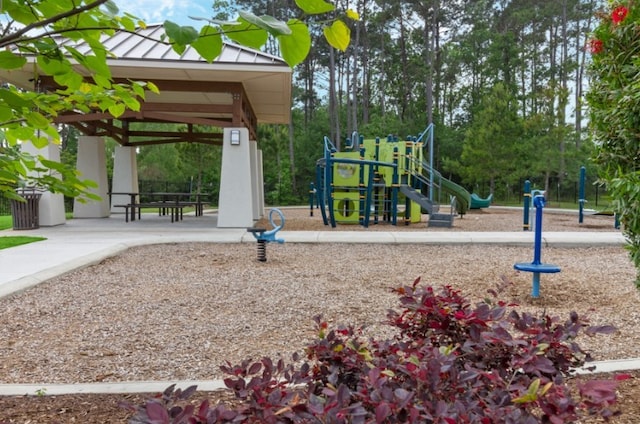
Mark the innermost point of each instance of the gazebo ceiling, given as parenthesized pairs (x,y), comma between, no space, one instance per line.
(242,87)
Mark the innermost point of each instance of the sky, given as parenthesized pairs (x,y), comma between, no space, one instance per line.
(178,11)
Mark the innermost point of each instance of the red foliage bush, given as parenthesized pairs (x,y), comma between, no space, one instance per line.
(450,362)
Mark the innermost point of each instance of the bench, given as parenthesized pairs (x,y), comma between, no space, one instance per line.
(175,209)
(198,206)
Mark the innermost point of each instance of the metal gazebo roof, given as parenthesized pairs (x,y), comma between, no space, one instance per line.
(241,87)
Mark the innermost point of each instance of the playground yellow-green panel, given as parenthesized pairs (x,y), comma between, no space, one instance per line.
(348,174)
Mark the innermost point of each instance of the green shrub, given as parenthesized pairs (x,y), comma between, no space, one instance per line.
(614,105)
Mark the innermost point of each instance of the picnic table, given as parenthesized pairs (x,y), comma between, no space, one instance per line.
(131,204)
(183,199)
(168,203)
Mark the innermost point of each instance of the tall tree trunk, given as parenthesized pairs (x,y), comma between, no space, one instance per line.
(366,74)
(354,82)
(404,61)
(430,36)
(292,156)
(563,96)
(581,57)
(333,112)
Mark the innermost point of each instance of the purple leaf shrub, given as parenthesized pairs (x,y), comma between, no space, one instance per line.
(450,363)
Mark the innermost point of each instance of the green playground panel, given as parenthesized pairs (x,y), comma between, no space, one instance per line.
(416,213)
(346,202)
(348,174)
(346,205)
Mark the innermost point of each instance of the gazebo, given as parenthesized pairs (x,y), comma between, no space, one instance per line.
(231,95)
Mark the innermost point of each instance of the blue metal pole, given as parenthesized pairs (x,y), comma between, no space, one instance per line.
(538,202)
(535,286)
(394,188)
(312,192)
(527,199)
(581,200)
(431,162)
(361,192)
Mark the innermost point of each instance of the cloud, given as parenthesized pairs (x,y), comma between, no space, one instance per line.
(157,11)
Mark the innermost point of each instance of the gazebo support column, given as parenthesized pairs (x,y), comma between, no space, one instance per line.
(125,176)
(51,206)
(92,165)
(236,204)
(258,209)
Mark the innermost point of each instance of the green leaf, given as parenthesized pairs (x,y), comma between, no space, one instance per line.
(246,34)
(338,35)
(209,44)
(268,23)
(295,47)
(98,64)
(9,60)
(152,87)
(6,113)
(70,79)
(111,7)
(102,81)
(13,99)
(128,23)
(36,120)
(52,132)
(79,57)
(117,109)
(353,15)
(53,66)
(315,7)
(40,141)
(181,35)
(20,13)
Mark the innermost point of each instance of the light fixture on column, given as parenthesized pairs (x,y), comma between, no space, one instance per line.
(235,137)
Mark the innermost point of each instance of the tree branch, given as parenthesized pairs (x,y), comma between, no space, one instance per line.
(13,38)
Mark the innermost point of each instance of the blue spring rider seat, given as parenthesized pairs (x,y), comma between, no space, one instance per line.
(537,267)
(264,236)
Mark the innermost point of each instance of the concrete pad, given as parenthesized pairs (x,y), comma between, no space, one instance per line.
(586,239)
(619,365)
(105,388)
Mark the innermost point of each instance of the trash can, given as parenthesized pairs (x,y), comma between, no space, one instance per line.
(25,214)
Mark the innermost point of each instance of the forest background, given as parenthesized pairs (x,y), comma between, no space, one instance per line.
(502,81)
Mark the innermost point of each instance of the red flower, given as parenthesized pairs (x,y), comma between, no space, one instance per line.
(618,14)
(595,46)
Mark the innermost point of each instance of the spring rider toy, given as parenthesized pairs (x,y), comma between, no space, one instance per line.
(263,236)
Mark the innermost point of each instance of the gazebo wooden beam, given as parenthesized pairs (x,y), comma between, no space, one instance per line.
(239,113)
(212,141)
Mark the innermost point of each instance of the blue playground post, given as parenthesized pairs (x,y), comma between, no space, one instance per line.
(581,200)
(537,267)
(527,200)
(312,194)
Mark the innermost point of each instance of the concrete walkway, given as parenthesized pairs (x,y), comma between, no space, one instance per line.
(82,242)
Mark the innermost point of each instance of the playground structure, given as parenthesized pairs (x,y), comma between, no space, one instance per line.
(528,204)
(582,211)
(370,180)
(478,203)
(582,201)
(537,267)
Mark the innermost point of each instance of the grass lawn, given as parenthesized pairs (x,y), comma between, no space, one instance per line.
(11,241)
(5,222)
